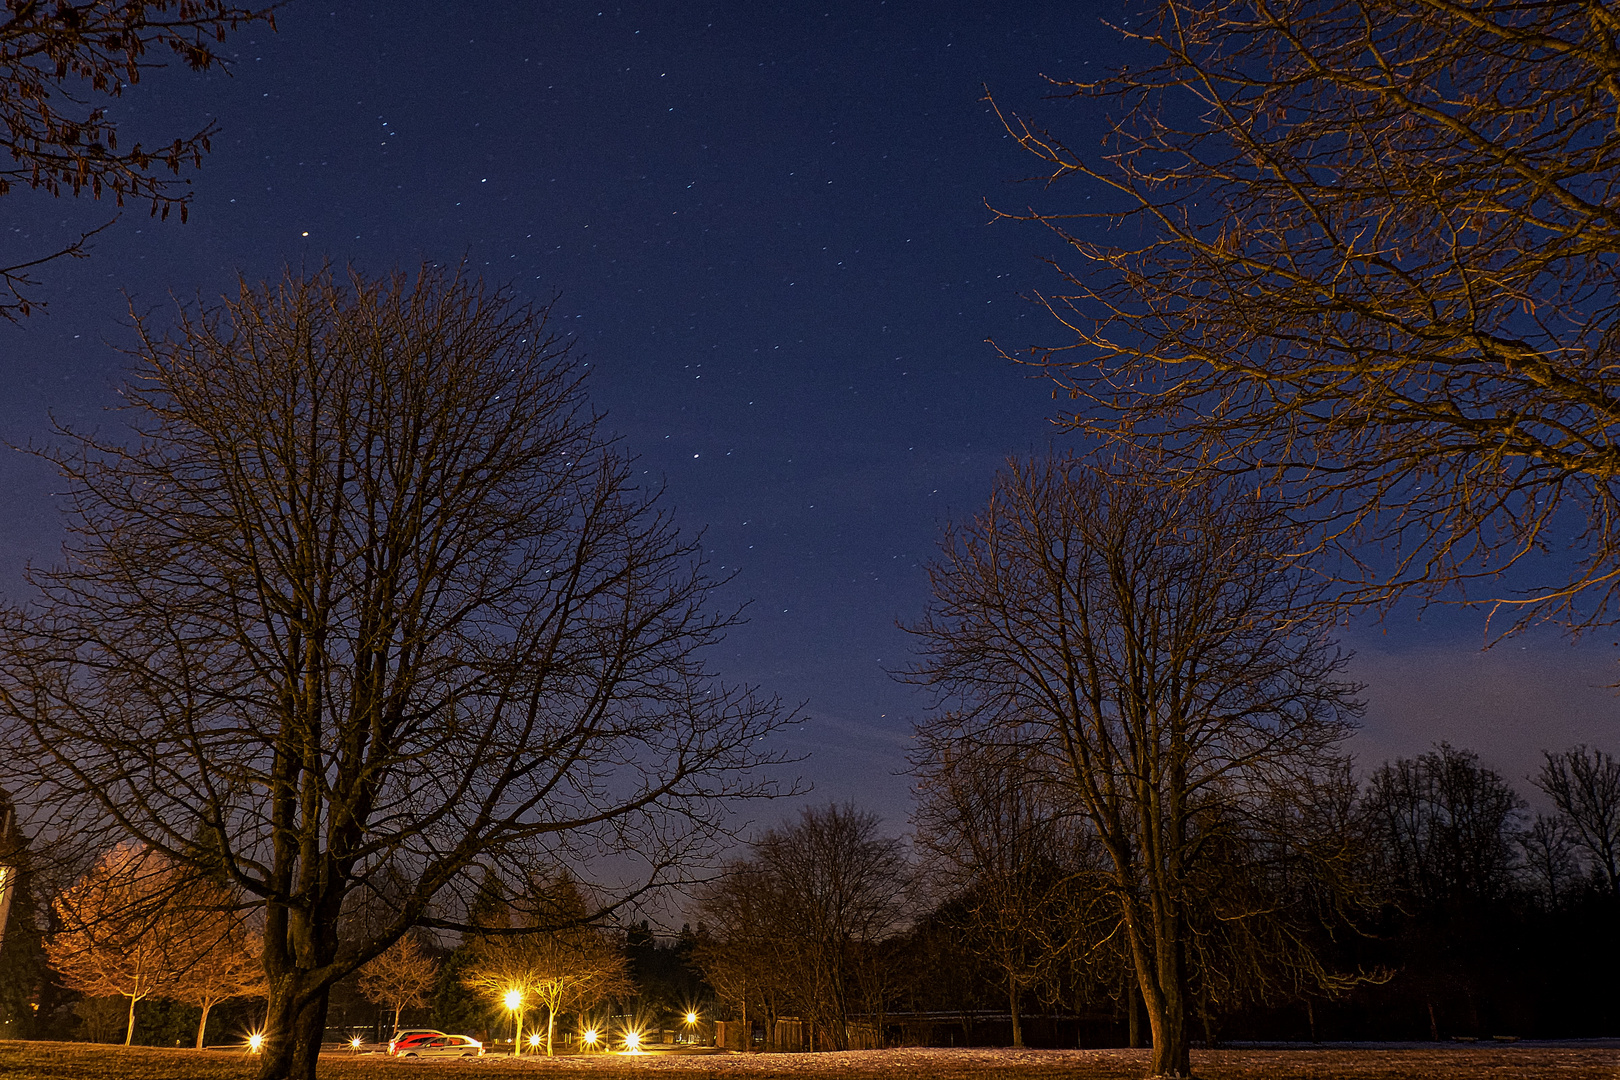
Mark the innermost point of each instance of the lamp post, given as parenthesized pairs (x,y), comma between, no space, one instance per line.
(514,1001)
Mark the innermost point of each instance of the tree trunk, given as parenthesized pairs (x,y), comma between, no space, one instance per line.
(1012,1004)
(292,1033)
(517,1035)
(1133,1010)
(1161,968)
(202,1025)
(129,1030)
(1167,1025)
(397,1010)
(310,1030)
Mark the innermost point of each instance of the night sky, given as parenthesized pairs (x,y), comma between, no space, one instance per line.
(765,226)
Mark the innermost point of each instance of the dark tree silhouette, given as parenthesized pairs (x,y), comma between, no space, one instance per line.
(1585,786)
(798,922)
(1156,656)
(1001,848)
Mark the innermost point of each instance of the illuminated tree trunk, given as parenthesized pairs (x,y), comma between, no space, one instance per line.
(129,1029)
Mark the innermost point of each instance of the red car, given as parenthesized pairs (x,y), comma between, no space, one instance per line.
(440,1046)
(411,1035)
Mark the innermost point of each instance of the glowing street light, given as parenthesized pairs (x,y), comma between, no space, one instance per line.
(514,1001)
(691,1018)
(534,1040)
(632,1042)
(354,1043)
(589,1037)
(255,1042)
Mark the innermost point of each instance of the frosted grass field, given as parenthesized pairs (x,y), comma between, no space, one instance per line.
(1599,1060)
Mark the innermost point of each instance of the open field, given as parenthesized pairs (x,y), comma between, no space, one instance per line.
(62,1061)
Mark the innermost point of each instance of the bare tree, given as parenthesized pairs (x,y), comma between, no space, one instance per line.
(401,977)
(1152,648)
(367,598)
(810,903)
(1365,251)
(563,963)
(1585,786)
(1000,846)
(1549,859)
(55,58)
(1446,827)
(222,957)
(743,950)
(118,934)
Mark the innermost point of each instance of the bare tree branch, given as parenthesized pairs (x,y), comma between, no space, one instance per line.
(1363,251)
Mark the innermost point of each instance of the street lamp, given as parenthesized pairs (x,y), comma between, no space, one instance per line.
(514,1001)
(589,1037)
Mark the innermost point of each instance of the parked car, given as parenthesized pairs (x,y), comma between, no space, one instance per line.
(411,1035)
(442,1046)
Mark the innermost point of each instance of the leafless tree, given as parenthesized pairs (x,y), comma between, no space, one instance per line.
(118,934)
(1364,250)
(1550,861)
(801,913)
(55,59)
(998,844)
(743,949)
(401,977)
(223,958)
(1150,645)
(564,964)
(1446,827)
(367,597)
(1585,786)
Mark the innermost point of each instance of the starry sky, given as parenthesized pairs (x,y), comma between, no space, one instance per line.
(765,225)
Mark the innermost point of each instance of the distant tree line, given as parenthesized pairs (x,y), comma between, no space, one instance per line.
(1459,914)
